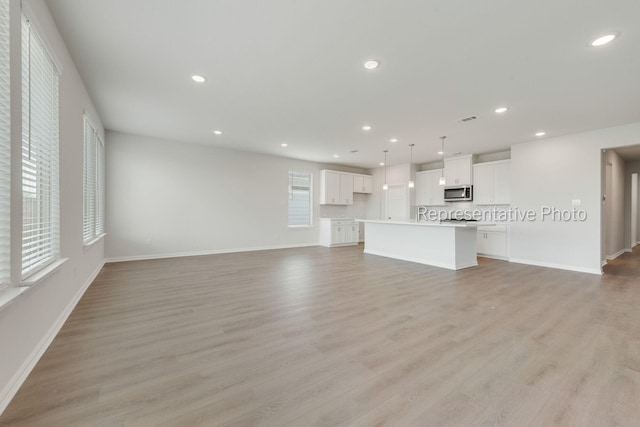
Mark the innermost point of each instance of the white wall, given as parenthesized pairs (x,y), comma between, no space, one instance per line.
(170,198)
(552,172)
(31,320)
(614,222)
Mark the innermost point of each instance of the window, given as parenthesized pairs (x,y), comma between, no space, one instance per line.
(300,199)
(93,199)
(5,141)
(40,192)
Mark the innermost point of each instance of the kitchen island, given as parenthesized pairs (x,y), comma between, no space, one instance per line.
(446,245)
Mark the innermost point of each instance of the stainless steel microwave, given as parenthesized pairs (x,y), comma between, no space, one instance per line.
(458,193)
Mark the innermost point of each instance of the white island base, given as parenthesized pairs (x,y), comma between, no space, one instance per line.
(451,246)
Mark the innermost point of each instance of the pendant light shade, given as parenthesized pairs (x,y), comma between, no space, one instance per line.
(412,183)
(385,186)
(442,180)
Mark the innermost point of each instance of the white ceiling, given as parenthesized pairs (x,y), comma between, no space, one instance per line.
(291,71)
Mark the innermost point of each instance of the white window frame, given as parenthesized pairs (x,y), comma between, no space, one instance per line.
(290,198)
(40,158)
(93,184)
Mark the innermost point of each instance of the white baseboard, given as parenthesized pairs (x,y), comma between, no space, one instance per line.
(558,266)
(10,390)
(501,258)
(617,254)
(200,253)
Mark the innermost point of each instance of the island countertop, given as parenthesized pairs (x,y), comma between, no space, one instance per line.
(469,224)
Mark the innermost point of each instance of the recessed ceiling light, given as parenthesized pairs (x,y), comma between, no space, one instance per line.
(393,140)
(198,79)
(284,145)
(602,40)
(217,132)
(541,133)
(336,156)
(440,153)
(366,127)
(371,64)
(501,110)
(381,163)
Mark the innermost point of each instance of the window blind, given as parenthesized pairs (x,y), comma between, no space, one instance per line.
(5,153)
(93,200)
(299,198)
(40,156)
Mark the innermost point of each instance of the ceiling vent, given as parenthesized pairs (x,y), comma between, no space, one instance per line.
(468,119)
(353,151)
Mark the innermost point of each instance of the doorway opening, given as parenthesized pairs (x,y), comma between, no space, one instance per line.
(620,228)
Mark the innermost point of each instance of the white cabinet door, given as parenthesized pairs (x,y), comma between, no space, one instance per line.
(458,170)
(368,184)
(338,234)
(483,187)
(502,184)
(346,189)
(492,243)
(351,232)
(358,183)
(429,192)
(336,188)
(329,187)
(492,183)
(363,184)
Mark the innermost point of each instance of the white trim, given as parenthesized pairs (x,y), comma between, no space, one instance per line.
(200,253)
(12,387)
(93,241)
(628,250)
(8,295)
(500,257)
(420,261)
(558,266)
(617,254)
(43,273)
(33,21)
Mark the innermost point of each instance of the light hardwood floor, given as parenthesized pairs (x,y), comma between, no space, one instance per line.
(333,337)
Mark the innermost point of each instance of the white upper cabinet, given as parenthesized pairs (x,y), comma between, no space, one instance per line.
(492,183)
(363,184)
(346,189)
(458,170)
(337,188)
(329,187)
(429,192)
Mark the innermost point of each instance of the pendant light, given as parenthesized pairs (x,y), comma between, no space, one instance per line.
(442,181)
(385,186)
(411,182)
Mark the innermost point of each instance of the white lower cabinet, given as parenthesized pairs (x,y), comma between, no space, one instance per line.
(338,232)
(492,242)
